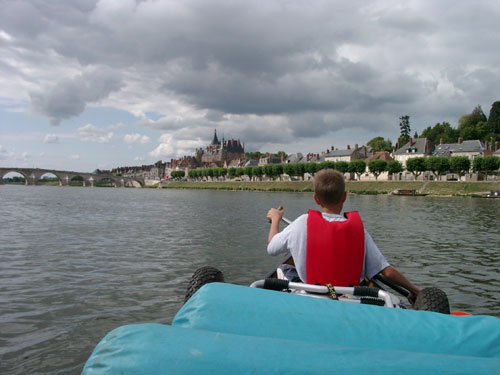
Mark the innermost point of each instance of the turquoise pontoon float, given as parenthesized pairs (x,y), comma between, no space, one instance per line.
(231,329)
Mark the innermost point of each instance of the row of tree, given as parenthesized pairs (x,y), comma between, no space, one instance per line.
(461,165)
(438,165)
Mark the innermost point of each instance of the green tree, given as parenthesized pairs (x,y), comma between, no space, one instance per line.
(249,171)
(289,169)
(282,154)
(437,165)
(441,131)
(300,169)
(494,119)
(342,166)
(416,166)
(257,171)
(468,125)
(312,168)
(394,167)
(358,167)
(380,144)
(327,165)
(486,164)
(268,170)
(277,170)
(255,155)
(460,165)
(404,126)
(377,166)
(231,172)
(240,172)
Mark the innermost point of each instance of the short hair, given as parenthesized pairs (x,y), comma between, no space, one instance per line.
(329,186)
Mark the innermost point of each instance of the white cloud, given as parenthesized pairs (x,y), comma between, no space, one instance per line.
(14,157)
(51,138)
(172,148)
(5,36)
(132,138)
(92,133)
(74,157)
(116,126)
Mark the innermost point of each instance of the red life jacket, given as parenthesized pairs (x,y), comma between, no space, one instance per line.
(335,249)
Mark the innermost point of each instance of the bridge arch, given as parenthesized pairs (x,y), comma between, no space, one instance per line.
(13,174)
(132,182)
(49,178)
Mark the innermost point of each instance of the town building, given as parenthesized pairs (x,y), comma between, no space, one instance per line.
(220,153)
(348,155)
(420,147)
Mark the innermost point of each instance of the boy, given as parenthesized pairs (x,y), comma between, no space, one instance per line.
(328,247)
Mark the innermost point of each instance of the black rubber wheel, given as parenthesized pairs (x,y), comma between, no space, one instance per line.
(202,276)
(432,299)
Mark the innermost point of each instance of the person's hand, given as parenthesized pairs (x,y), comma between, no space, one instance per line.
(412,298)
(274,215)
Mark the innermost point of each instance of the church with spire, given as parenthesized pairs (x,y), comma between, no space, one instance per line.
(221,153)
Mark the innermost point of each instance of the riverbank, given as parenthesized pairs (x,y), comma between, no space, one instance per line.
(444,188)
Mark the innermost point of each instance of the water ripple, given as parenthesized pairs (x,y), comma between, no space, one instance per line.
(78,262)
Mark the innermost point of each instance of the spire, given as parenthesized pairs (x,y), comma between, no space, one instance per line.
(215,141)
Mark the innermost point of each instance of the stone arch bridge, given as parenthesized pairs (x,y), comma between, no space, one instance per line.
(32,175)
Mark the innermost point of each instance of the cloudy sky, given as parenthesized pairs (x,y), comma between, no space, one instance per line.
(88,84)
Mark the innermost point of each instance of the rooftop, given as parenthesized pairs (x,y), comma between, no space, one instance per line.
(466,146)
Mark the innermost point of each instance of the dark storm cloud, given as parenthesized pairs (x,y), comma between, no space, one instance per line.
(272,71)
(68,97)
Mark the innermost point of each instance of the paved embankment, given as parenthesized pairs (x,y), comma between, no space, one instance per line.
(356,187)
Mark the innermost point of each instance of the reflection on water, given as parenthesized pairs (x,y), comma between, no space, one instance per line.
(78,262)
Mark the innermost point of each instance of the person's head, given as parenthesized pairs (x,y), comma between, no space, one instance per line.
(329,188)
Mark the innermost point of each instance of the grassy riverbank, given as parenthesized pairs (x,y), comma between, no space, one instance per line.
(355,187)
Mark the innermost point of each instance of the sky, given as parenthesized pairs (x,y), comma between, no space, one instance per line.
(88,84)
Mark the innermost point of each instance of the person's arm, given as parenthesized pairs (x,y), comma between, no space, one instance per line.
(397,277)
(274,216)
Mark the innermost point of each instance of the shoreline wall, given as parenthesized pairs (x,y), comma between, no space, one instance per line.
(453,188)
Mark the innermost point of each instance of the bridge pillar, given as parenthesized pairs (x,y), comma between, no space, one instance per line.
(88,182)
(65,180)
(33,176)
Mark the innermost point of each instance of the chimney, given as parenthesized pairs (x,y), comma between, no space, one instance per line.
(441,141)
(348,147)
(428,146)
(411,141)
(356,147)
(398,145)
(496,145)
(365,151)
(331,148)
(460,140)
(486,146)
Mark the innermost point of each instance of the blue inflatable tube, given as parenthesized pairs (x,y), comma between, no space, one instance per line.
(229,329)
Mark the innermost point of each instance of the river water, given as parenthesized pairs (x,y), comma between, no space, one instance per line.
(77,262)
